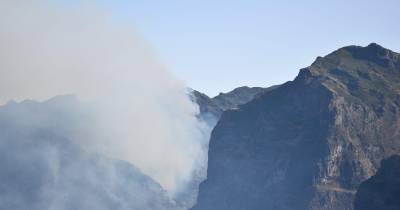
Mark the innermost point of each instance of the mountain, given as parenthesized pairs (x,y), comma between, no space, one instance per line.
(308,143)
(43,166)
(382,191)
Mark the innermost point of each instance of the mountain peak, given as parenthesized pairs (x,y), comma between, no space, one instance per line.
(373,53)
(372,47)
(369,73)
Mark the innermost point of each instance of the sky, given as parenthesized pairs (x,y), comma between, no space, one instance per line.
(217,45)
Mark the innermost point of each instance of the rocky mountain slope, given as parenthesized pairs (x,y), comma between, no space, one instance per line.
(308,143)
(238,96)
(382,191)
(44,167)
(212,108)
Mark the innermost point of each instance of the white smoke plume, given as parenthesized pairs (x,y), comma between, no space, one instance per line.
(143,113)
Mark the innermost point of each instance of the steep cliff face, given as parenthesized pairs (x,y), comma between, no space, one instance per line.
(309,143)
(382,191)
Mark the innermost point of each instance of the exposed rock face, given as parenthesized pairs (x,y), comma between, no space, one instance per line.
(309,143)
(42,166)
(382,191)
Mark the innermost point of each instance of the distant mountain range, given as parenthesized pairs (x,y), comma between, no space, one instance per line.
(309,143)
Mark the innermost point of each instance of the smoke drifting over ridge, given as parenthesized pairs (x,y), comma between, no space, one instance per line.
(143,114)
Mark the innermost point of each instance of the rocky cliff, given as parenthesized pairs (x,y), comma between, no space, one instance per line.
(308,143)
(382,191)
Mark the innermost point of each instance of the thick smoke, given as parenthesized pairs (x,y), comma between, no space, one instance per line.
(143,114)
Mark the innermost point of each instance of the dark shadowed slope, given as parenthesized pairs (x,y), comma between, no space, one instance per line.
(382,191)
(309,143)
(42,166)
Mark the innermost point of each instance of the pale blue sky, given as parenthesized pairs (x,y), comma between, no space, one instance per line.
(218,45)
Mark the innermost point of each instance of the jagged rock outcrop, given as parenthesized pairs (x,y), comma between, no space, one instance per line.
(42,165)
(382,191)
(308,143)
